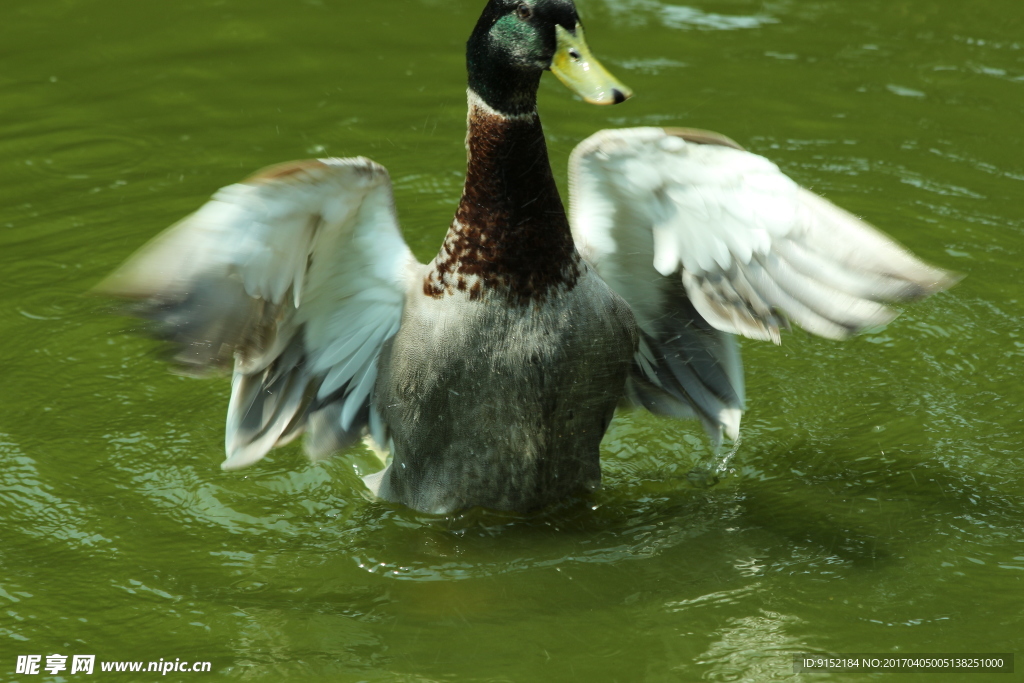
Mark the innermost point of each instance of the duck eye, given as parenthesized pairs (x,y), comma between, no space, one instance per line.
(524,11)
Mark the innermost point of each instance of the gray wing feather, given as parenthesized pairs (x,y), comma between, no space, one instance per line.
(690,369)
(293,280)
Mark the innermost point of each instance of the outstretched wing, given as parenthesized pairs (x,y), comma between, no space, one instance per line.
(293,279)
(703,238)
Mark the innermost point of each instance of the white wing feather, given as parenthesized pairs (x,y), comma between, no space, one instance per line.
(751,246)
(697,236)
(294,279)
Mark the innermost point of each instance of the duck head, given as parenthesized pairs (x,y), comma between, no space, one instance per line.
(515,41)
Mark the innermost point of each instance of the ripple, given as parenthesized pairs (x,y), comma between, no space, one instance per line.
(77,154)
(485,544)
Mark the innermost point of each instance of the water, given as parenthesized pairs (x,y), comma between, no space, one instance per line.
(875,503)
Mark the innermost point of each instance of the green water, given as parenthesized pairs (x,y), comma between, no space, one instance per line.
(877,503)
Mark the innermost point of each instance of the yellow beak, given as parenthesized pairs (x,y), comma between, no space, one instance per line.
(581,73)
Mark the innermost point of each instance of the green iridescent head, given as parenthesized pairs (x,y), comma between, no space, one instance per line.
(515,41)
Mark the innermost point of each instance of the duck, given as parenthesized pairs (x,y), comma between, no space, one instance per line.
(491,374)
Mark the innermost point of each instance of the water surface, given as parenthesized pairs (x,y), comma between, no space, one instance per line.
(876,503)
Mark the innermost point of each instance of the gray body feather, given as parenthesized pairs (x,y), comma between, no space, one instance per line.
(501,407)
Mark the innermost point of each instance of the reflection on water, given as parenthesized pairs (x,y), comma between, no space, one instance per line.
(684,16)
